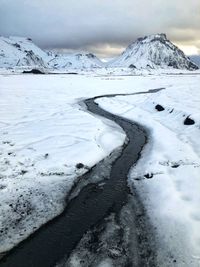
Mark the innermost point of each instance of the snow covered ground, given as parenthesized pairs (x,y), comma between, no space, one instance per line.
(167,176)
(44,133)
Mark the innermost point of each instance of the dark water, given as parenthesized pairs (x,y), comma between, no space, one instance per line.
(59,237)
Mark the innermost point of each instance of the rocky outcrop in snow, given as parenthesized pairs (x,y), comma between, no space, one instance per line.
(154,51)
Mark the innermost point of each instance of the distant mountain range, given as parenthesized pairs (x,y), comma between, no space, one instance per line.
(22,52)
(80,60)
(150,52)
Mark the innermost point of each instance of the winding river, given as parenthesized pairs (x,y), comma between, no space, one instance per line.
(56,239)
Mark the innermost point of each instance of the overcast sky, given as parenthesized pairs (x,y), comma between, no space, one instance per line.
(104,27)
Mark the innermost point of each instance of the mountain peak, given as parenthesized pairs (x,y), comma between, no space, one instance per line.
(153,37)
(153,52)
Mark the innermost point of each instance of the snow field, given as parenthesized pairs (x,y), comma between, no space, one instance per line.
(167,176)
(44,133)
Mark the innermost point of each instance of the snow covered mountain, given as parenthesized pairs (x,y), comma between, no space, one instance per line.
(74,61)
(154,51)
(20,52)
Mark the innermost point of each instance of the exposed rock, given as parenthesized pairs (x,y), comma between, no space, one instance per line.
(159,107)
(175,165)
(132,66)
(148,175)
(33,71)
(79,165)
(189,121)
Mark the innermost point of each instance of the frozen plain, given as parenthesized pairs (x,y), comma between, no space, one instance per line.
(44,133)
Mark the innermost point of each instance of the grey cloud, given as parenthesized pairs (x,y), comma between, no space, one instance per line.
(99,24)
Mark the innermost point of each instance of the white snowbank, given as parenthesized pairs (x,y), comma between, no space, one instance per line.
(43,135)
(172,196)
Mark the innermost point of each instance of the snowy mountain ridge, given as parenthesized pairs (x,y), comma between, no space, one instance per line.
(22,52)
(79,60)
(150,52)
(153,51)
(19,51)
